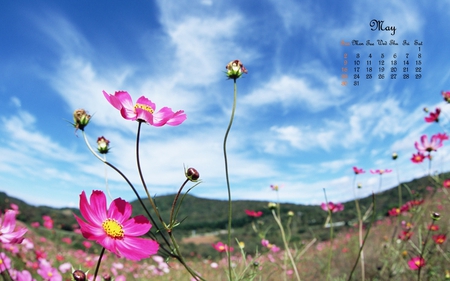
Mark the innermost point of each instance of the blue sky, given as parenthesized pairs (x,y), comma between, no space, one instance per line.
(295,126)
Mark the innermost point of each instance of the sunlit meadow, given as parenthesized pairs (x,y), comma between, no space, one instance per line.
(386,239)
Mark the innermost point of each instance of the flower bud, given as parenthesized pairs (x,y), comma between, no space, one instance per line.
(192,174)
(290,214)
(394,155)
(235,69)
(80,119)
(79,275)
(425,109)
(272,206)
(102,145)
(436,216)
(359,185)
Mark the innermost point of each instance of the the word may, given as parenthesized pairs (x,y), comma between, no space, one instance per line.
(378,25)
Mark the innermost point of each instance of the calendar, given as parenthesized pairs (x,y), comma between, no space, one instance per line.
(382,56)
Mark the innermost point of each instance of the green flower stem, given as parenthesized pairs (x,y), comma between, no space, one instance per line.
(360,226)
(132,188)
(286,246)
(98,263)
(141,176)
(171,220)
(365,237)
(330,221)
(228,179)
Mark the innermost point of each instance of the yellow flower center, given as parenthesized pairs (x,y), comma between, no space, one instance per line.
(113,229)
(144,107)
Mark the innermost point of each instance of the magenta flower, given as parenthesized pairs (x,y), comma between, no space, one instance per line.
(416,263)
(380,172)
(144,110)
(358,170)
(113,228)
(434,116)
(432,145)
(7,226)
(221,247)
(252,213)
(332,207)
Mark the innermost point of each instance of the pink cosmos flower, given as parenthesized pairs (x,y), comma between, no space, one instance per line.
(113,228)
(221,247)
(144,110)
(332,207)
(432,145)
(419,157)
(380,172)
(416,263)
(7,226)
(434,116)
(358,170)
(253,213)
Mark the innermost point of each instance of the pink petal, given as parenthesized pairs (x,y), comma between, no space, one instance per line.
(161,117)
(98,207)
(91,232)
(137,248)
(177,118)
(114,101)
(136,226)
(120,210)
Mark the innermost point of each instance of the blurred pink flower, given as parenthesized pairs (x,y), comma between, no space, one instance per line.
(252,213)
(434,116)
(35,224)
(47,272)
(332,207)
(380,172)
(7,227)
(275,187)
(87,244)
(446,183)
(144,110)
(416,263)
(432,145)
(394,212)
(48,222)
(113,228)
(446,96)
(358,170)
(66,240)
(439,238)
(221,247)
(5,262)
